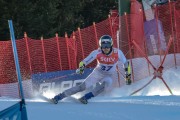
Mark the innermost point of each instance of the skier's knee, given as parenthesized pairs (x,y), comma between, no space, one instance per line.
(99,88)
(108,81)
(75,89)
(82,86)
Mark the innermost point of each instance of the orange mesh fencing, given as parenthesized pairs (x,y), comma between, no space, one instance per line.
(177,29)
(72,47)
(65,53)
(36,55)
(7,69)
(89,43)
(87,39)
(166,22)
(51,54)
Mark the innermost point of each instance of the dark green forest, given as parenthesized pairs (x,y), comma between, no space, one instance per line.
(47,17)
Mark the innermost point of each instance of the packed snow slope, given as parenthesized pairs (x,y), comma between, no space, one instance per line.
(154,102)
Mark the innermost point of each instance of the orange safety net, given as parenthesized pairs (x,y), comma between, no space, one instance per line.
(177,28)
(64,53)
(146,52)
(87,39)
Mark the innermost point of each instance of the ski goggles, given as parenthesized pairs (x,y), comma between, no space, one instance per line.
(106,45)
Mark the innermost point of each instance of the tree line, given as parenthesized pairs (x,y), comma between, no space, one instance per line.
(45,18)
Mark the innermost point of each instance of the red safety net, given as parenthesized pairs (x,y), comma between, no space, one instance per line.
(177,29)
(87,39)
(129,33)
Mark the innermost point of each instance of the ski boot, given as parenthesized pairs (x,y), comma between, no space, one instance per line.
(83,100)
(53,100)
(86,97)
(57,98)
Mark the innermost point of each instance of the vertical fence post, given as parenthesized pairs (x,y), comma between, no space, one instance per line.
(145,45)
(59,53)
(95,32)
(158,34)
(18,71)
(111,30)
(28,53)
(129,44)
(80,37)
(75,49)
(44,56)
(110,25)
(170,10)
(67,46)
(175,27)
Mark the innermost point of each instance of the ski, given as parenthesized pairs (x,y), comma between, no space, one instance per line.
(44,98)
(68,99)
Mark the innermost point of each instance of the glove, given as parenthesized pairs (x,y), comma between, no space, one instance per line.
(80,70)
(128,79)
(128,73)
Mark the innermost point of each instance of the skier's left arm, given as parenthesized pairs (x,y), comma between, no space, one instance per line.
(127,66)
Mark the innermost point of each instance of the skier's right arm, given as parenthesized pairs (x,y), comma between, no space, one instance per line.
(86,61)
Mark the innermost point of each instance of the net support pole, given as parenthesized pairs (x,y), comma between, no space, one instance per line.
(59,52)
(18,72)
(95,33)
(172,32)
(44,55)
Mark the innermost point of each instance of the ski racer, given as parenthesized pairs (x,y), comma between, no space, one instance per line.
(107,57)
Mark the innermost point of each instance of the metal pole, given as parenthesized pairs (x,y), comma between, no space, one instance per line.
(18,72)
(59,53)
(28,52)
(172,32)
(119,32)
(44,55)
(119,7)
